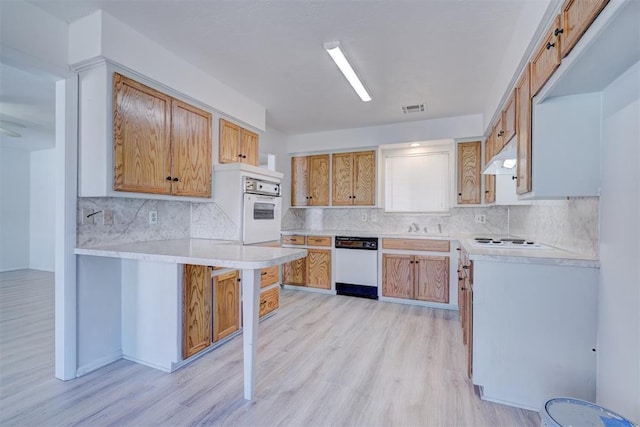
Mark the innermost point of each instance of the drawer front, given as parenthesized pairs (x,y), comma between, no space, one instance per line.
(319,240)
(417,244)
(269,301)
(295,239)
(269,276)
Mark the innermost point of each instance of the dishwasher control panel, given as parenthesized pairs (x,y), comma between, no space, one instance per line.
(363,243)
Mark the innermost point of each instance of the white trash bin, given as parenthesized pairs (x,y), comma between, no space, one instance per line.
(567,412)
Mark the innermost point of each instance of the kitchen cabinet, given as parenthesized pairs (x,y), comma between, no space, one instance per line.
(295,239)
(161,145)
(319,268)
(310,180)
(469,163)
(523,125)
(354,179)
(295,272)
(547,58)
(489,180)
(508,122)
(577,16)
(237,145)
(196,309)
(465,305)
(269,301)
(226,300)
(432,245)
(314,271)
(269,276)
(318,240)
(420,277)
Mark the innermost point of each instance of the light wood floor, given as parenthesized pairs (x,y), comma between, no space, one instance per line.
(323,361)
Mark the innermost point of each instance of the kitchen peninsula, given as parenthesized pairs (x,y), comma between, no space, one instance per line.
(129,299)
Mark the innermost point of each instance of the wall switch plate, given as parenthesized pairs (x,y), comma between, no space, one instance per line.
(481,218)
(363,217)
(153,217)
(87,216)
(374,217)
(107,217)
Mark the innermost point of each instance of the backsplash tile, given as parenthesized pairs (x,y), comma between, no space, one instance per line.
(566,224)
(208,221)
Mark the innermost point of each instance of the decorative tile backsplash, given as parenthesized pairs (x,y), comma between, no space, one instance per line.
(208,221)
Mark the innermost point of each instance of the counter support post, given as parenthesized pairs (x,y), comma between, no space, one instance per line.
(250,303)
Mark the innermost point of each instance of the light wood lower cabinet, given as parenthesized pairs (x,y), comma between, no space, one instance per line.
(196,309)
(269,276)
(465,305)
(295,272)
(226,300)
(420,277)
(313,271)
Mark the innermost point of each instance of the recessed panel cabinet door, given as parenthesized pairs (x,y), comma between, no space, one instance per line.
(469,160)
(432,278)
(397,276)
(364,178)
(295,272)
(546,59)
(229,142)
(342,179)
(319,268)
(299,181)
(523,113)
(489,180)
(577,15)
(249,148)
(141,137)
(226,300)
(191,148)
(319,180)
(196,309)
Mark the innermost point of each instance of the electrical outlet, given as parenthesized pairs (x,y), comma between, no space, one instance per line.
(363,217)
(107,217)
(481,218)
(87,216)
(153,217)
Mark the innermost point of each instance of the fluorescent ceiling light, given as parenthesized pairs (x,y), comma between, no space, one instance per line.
(333,48)
(415,144)
(509,163)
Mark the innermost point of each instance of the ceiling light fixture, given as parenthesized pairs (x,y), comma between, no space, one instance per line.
(415,144)
(333,48)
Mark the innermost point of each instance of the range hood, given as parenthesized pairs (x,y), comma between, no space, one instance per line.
(503,163)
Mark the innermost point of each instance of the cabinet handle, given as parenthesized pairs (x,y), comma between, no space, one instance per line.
(457,249)
(558,31)
(550,45)
(264,273)
(239,155)
(513,177)
(502,132)
(168,178)
(486,192)
(175,179)
(466,267)
(463,289)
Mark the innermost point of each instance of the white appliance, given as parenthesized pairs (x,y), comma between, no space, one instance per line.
(262,211)
(357,266)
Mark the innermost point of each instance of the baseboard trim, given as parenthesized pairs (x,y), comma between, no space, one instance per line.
(97,364)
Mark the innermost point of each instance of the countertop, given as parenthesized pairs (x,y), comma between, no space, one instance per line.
(219,253)
(550,255)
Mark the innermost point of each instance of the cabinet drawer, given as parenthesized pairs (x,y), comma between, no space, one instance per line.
(319,240)
(417,244)
(295,239)
(269,276)
(269,301)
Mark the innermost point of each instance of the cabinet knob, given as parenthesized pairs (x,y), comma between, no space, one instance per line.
(459,194)
(502,132)
(558,31)
(457,249)
(550,45)
(463,289)
(244,156)
(240,155)
(486,192)
(175,179)
(514,177)
(466,267)
(168,178)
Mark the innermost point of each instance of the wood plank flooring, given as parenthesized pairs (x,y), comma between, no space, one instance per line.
(322,361)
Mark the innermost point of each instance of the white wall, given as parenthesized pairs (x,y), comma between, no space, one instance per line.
(275,142)
(619,299)
(14,209)
(42,205)
(425,130)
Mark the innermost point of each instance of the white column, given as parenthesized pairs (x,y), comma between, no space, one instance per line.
(250,303)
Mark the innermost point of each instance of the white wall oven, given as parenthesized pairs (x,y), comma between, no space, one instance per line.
(262,211)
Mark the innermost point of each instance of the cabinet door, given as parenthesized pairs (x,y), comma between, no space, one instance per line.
(299,181)
(468,308)
(432,278)
(226,300)
(295,272)
(269,301)
(269,276)
(489,180)
(498,132)
(319,180)
(191,150)
(577,15)
(469,158)
(319,268)
(342,178)
(196,309)
(546,59)
(141,138)
(509,119)
(249,148)
(397,276)
(523,113)
(364,178)
(229,144)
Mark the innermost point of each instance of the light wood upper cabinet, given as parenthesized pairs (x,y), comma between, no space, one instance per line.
(319,268)
(196,309)
(523,113)
(397,276)
(547,58)
(226,300)
(237,145)
(489,180)
(469,162)
(353,179)
(141,137)
(310,180)
(432,278)
(577,15)
(161,145)
(509,119)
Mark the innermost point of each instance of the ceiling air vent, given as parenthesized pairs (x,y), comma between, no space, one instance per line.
(416,108)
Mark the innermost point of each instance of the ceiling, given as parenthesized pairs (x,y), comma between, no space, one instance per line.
(27,106)
(439,52)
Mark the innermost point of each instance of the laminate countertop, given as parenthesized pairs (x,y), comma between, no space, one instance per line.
(219,253)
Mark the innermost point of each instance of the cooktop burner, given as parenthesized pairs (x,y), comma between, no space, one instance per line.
(510,243)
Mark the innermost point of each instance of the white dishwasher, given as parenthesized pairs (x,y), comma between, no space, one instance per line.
(357,266)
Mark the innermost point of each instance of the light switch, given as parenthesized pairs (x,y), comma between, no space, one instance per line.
(107,218)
